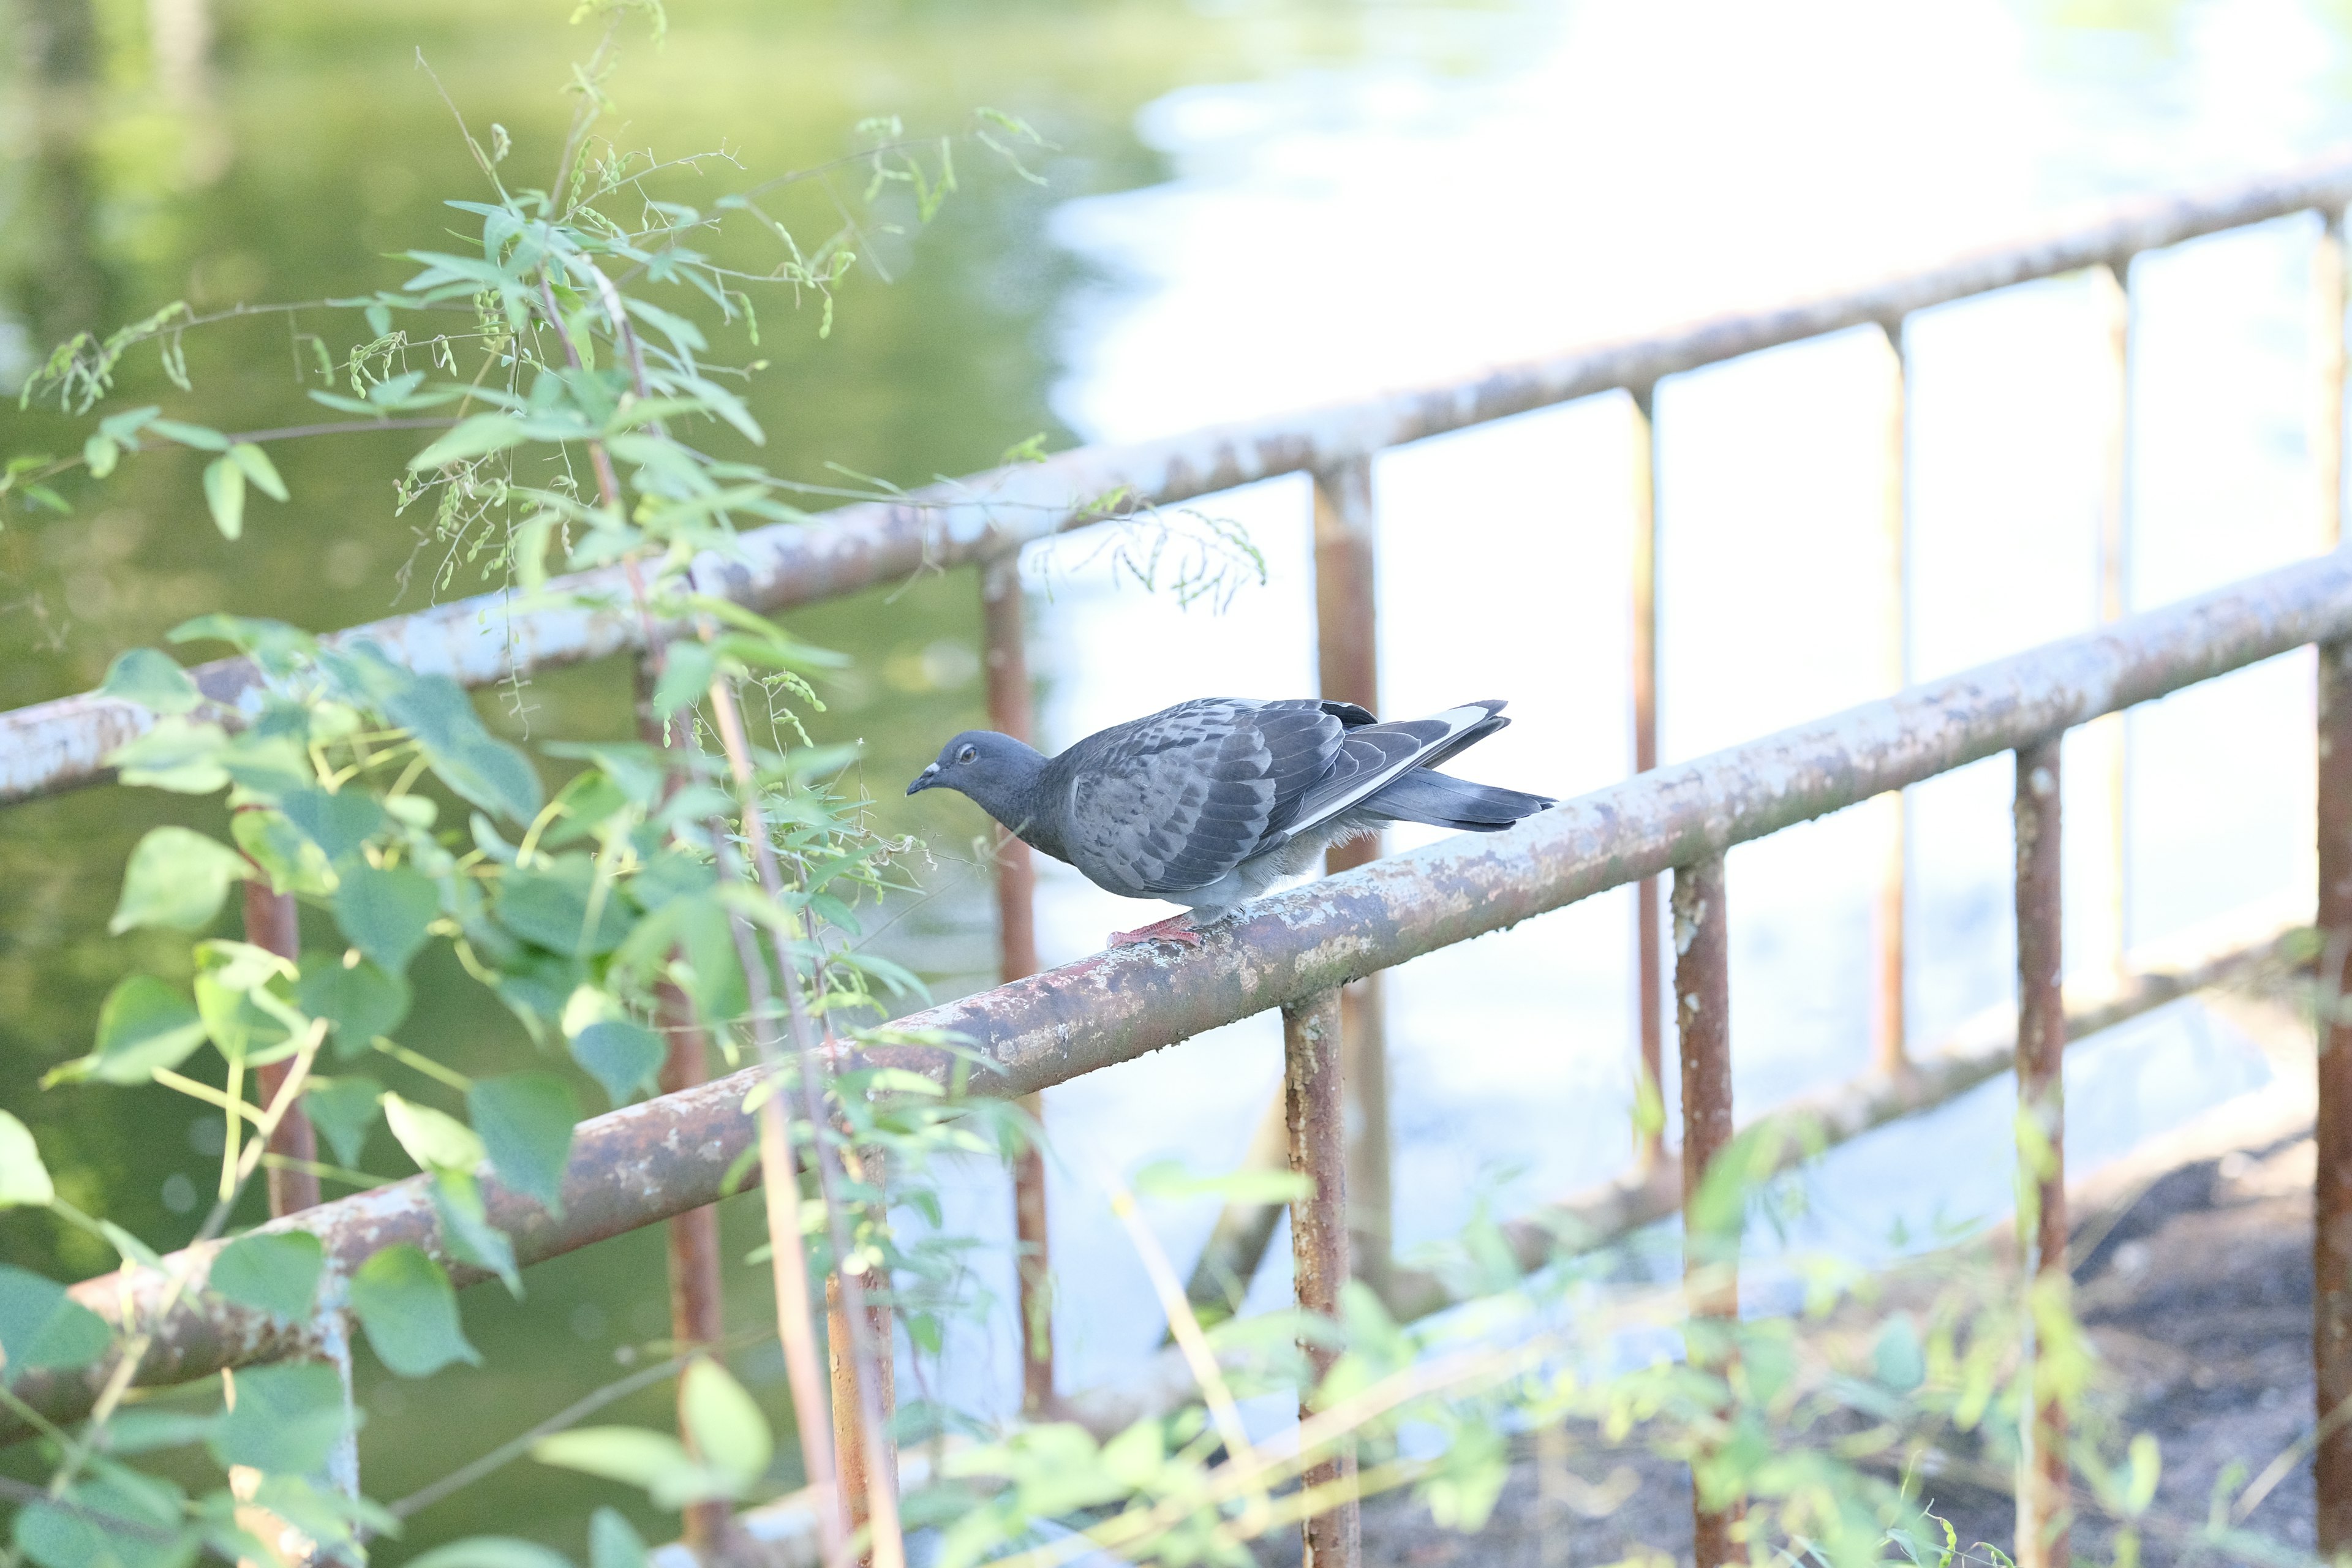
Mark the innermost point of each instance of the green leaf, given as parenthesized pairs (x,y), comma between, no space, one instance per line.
(344,1110)
(255,464)
(101,452)
(464,754)
(175,755)
(359,1001)
(137,1431)
(687,670)
(287,1417)
(153,680)
(613,1542)
(271,1271)
(203,438)
(176,877)
(491,1551)
(482,434)
(123,1519)
(525,1122)
(41,1326)
(224,495)
(23,1180)
(619,1054)
(241,994)
(634,1457)
(1896,1358)
(2147,1470)
(385,912)
(405,1302)
(727,1427)
(551,908)
(434,1139)
(1170,1179)
(325,1514)
(144,1025)
(125,426)
(466,1230)
(337,823)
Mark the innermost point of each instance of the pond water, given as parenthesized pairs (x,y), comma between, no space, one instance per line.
(1251,209)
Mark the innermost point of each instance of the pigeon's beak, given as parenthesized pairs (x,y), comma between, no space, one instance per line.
(924,780)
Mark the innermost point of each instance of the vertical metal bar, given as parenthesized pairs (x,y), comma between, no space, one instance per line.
(1703,1020)
(2331,1327)
(1003,632)
(2114,594)
(269,921)
(696,1314)
(848,1430)
(1346,648)
(2044,1511)
(696,1293)
(2328,413)
(1315,1105)
(1649,960)
(1890,1029)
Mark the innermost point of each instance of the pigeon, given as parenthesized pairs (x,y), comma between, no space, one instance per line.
(1210,803)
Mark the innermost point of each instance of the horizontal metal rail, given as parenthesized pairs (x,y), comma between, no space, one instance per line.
(647,1162)
(59,745)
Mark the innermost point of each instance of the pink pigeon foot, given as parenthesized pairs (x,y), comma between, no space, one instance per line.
(1175,928)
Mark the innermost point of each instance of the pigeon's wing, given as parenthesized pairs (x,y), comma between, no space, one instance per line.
(1372,755)
(1171,802)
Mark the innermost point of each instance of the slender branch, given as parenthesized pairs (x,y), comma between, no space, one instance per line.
(788,1255)
(882,1501)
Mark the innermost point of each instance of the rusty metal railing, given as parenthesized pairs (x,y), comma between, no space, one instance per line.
(986,520)
(647,1162)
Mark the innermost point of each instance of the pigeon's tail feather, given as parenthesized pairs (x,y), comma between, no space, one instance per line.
(1441,800)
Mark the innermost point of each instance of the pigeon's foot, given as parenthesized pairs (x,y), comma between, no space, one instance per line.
(1175,928)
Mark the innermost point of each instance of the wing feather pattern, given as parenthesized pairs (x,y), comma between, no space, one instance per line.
(1169,804)
(1175,801)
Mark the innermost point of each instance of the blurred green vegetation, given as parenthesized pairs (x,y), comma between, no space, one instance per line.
(269,151)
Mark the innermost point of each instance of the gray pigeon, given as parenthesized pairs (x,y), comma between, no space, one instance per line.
(1211,802)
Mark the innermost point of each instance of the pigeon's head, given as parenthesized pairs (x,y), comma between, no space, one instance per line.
(995,771)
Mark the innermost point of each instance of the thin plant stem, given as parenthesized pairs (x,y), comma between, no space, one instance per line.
(788,1254)
(882,1503)
(143,1340)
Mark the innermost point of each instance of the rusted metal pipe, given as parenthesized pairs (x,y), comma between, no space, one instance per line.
(1004,637)
(270,921)
(1710,1258)
(2331,1327)
(479,641)
(848,1431)
(2043,1511)
(1347,646)
(1649,953)
(697,1291)
(644,1163)
(1889,1030)
(1316,1110)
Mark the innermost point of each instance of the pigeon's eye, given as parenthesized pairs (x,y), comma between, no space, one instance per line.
(970,754)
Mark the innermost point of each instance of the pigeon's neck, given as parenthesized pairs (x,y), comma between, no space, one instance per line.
(1014,792)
